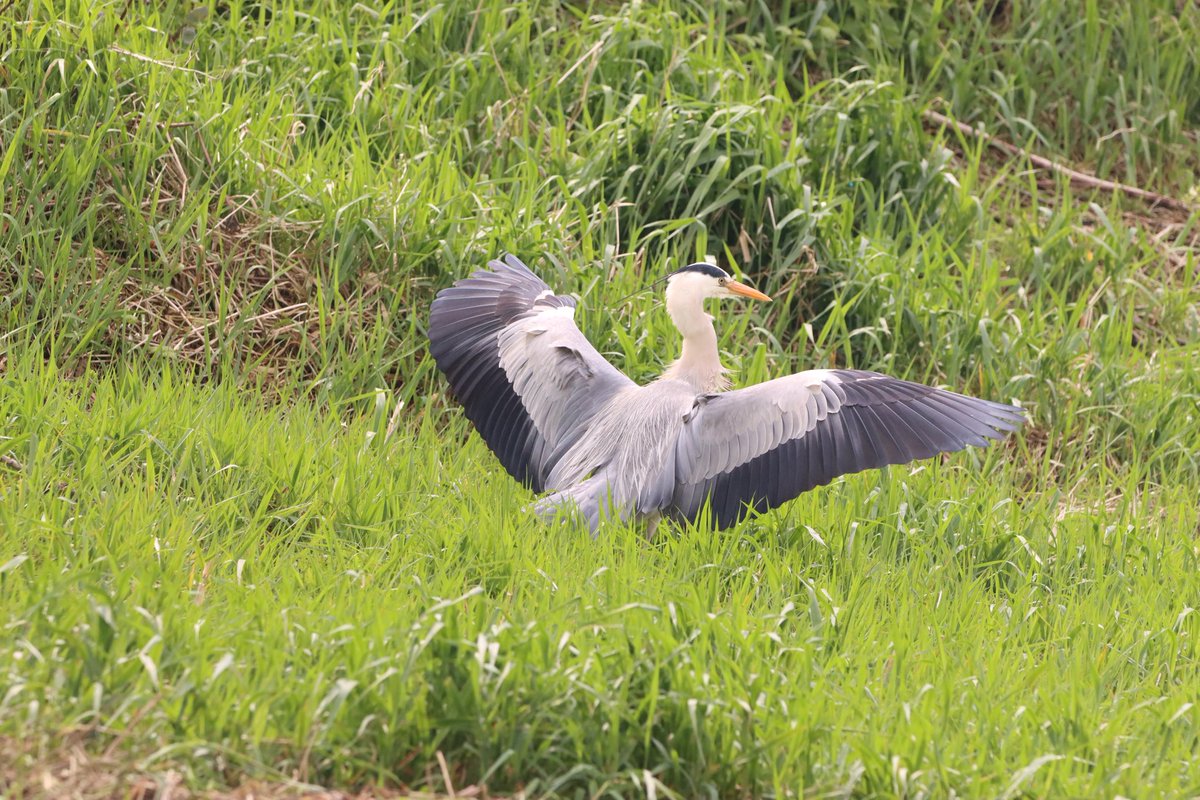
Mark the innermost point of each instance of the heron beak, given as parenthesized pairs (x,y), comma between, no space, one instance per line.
(745,291)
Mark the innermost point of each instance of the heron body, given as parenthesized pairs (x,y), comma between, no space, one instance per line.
(563,420)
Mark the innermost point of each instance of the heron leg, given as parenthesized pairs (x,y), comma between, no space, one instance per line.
(652,521)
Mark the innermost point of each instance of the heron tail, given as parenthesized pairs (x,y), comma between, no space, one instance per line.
(590,499)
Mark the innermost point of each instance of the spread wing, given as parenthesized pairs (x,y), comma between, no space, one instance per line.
(527,377)
(762,446)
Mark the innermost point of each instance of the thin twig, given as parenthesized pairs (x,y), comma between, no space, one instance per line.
(441,759)
(1075,176)
(165,64)
(587,80)
(474,22)
(365,86)
(12,463)
(591,53)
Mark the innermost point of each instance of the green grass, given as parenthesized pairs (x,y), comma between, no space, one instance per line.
(246,534)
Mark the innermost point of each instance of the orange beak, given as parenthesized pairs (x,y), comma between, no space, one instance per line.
(745,291)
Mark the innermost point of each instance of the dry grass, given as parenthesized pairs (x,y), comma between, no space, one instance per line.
(69,770)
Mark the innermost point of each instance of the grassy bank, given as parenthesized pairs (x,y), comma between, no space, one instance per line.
(247,535)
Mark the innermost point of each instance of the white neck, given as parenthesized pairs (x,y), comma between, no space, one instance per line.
(700,364)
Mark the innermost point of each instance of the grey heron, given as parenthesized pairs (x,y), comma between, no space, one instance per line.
(563,420)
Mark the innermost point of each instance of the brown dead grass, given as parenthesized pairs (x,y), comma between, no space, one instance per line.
(70,771)
(242,289)
(1171,232)
(248,277)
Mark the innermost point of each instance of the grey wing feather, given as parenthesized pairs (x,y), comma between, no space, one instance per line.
(762,446)
(527,377)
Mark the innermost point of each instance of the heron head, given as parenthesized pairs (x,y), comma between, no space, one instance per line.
(708,280)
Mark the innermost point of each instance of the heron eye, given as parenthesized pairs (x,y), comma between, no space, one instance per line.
(722,281)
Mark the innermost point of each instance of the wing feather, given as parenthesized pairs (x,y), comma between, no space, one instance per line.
(889,449)
(952,419)
(761,446)
(526,376)
(830,445)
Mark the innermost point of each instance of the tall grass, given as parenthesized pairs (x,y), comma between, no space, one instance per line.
(246,532)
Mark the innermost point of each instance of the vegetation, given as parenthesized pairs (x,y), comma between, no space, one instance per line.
(246,534)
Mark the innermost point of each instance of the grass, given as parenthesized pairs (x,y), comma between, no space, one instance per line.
(248,537)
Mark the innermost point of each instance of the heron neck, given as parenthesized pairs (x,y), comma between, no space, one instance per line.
(699,364)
